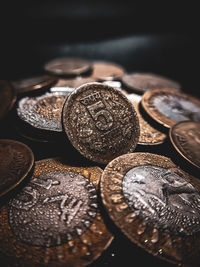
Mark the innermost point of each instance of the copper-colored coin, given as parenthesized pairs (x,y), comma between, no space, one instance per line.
(100,122)
(185,137)
(68,66)
(7,98)
(168,107)
(16,161)
(149,135)
(142,82)
(55,220)
(33,83)
(154,203)
(103,70)
(75,82)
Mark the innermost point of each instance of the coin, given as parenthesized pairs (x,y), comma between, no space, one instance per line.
(16,161)
(142,82)
(33,83)
(168,107)
(149,135)
(185,137)
(68,66)
(100,122)
(7,98)
(154,203)
(104,70)
(55,220)
(75,82)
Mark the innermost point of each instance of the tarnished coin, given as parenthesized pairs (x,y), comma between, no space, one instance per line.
(185,137)
(16,161)
(7,98)
(55,220)
(75,82)
(100,122)
(149,135)
(33,83)
(43,112)
(168,107)
(68,66)
(104,70)
(142,82)
(154,203)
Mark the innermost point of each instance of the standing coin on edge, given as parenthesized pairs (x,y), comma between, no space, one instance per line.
(142,82)
(55,220)
(168,107)
(100,122)
(155,204)
(185,137)
(68,67)
(16,161)
(7,98)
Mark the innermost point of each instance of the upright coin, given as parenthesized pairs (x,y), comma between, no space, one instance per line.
(154,203)
(68,66)
(33,83)
(185,137)
(103,70)
(16,161)
(142,82)
(7,98)
(100,122)
(55,220)
(168,107)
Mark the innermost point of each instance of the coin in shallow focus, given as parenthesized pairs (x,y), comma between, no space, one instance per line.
(68,67)
(185,137)
(7,98)
(16,161)
(75,82)
(100,122)
(33,83)
(168,107)
(55,220)
(142,82)
(154,203)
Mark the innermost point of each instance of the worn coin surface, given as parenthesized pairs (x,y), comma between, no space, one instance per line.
(68,66)
(142,82)
(7,98)
(154,203)
(168,107)
(103,70)
(33,83)
(100,122)
(16,161)
(185,137)
(55,220)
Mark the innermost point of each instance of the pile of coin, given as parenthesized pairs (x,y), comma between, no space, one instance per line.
(87,146)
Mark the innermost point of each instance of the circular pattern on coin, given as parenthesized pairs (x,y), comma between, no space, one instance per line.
(16,161)
(33,83)
(69,67)
(168,107)
(7,98)
(142,82)
(154,203)
(100,122)
(55,220)
(185,137)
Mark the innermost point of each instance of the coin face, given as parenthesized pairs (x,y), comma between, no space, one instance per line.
(68,66)
(154,203)
(142,82)
(103,70)
(100,122)
(185,137)
(33,83)
(16,161)
(43,112)
(168,107)
(75,82)
(55,220)
(7,98)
